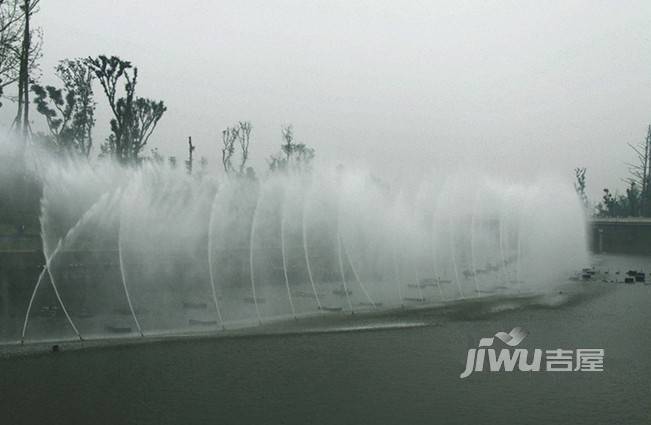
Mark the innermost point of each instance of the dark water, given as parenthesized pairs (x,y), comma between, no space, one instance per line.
(392,376)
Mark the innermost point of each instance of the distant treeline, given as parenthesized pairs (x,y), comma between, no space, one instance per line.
(636,201)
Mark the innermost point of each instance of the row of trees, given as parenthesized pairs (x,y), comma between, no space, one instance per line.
(68,108)
(236,140)
(69,112)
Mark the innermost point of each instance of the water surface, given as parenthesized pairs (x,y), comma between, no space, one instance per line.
(380,374)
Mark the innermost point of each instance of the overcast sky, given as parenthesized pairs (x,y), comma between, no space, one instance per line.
(516,87)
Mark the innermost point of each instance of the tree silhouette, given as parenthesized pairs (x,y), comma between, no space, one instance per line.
(244,137)
(293,156)
(640,172)
(240,134)
(134,118)
(29,53)
(229,136)
(10,42)
(70,111)
(190,161)
(579,185)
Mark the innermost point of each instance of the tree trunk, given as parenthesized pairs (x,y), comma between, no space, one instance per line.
(22,117)
(25,65)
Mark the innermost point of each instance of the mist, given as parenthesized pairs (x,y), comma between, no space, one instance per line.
(152,250)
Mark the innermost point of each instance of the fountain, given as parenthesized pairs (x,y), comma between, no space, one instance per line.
(152,251)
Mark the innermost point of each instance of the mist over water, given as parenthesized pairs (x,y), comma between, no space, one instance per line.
(150,250)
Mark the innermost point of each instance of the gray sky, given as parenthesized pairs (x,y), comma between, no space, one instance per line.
(508,86)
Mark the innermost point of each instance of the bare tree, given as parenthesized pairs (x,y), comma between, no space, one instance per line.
(580,185)
(229,137)
(640,172)
(240,134)
(10,42)
(244,136)
(12,20)
(134,118)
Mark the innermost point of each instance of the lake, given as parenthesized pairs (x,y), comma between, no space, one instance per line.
(394,368)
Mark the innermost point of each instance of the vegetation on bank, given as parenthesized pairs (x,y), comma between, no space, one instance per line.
(636,201)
